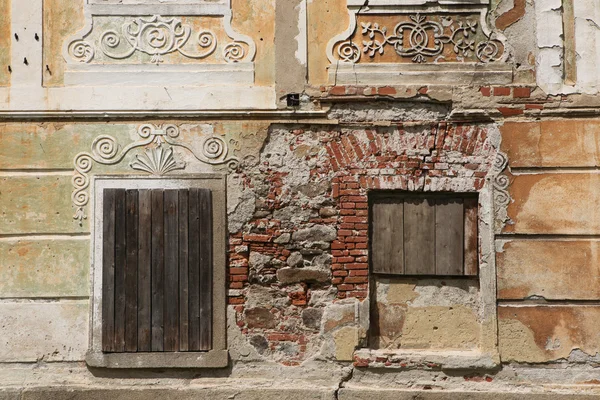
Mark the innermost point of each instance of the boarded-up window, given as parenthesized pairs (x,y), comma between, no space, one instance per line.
(157,260)
(424,234)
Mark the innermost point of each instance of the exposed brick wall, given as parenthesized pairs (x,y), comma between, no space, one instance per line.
(309,232)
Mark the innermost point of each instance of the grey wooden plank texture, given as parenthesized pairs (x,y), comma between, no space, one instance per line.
(471,264)
(131,270)
(144,270)
(183,270)
(194,270)
(171,294)
(449,236)
(120,264)
(388,237)
(108,270)
(157,270)
(419,236)
(158,273)
(206,256)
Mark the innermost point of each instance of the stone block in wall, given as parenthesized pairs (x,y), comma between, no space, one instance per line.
(552,269)
(56,331)
(540,334)
(554,203)
(552,143)
(38,204)
(44,267)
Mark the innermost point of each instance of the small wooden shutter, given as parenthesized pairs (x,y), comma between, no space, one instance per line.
(424,235)
(157,270)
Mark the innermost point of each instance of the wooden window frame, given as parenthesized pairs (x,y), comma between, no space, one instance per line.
(470,249)
(217,357)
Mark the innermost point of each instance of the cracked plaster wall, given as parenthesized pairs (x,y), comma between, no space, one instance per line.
(299,301)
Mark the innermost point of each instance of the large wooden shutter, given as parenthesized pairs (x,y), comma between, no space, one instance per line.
(157,270)
(424,235)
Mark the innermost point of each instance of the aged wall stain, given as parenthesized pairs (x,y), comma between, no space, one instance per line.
(5,42)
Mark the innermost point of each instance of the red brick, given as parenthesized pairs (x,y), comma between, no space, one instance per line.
(359,272)
(345,288)
(337,281)
(501,91)
(359,220)
(521,92)
(423,90)
(257,238)
(338,245)
(509,112)
(386,91)
(236,285)
(534,107)
(338,91)
(486,91)
(356,279)
(348,205)
(357,266)
(340,273)
(345,259)
(344,232)
(238,271)
(238,278)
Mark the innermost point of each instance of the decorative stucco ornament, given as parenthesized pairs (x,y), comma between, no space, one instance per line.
(157,158)
(447,39)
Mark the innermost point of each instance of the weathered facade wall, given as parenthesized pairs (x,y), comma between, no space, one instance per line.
(504,104)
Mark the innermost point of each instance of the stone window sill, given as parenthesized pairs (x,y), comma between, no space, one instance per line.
(425,359)
(209,359)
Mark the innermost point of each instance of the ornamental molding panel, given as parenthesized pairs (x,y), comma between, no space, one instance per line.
(418,42)
(133,42)
(500,183)
(157,159)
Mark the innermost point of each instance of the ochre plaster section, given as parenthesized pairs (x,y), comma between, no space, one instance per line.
(5,42)
(552,269)
(256,18)
(556,143)
(535,334)
(62,19)
(326,18)
(37,204)
(44,268)
(546,204)
(425,314)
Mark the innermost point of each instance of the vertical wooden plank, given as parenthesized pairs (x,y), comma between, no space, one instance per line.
(206,260)
(194,271)
(388,236)
(183,271)
(419,236)
(449,236)
(158,264)
(171,305)
(108,270)
(131,271)
(144,271)
(471,236)
(120,260)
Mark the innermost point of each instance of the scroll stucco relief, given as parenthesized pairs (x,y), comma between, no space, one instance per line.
(121,40)
(157,159)
(437,37)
